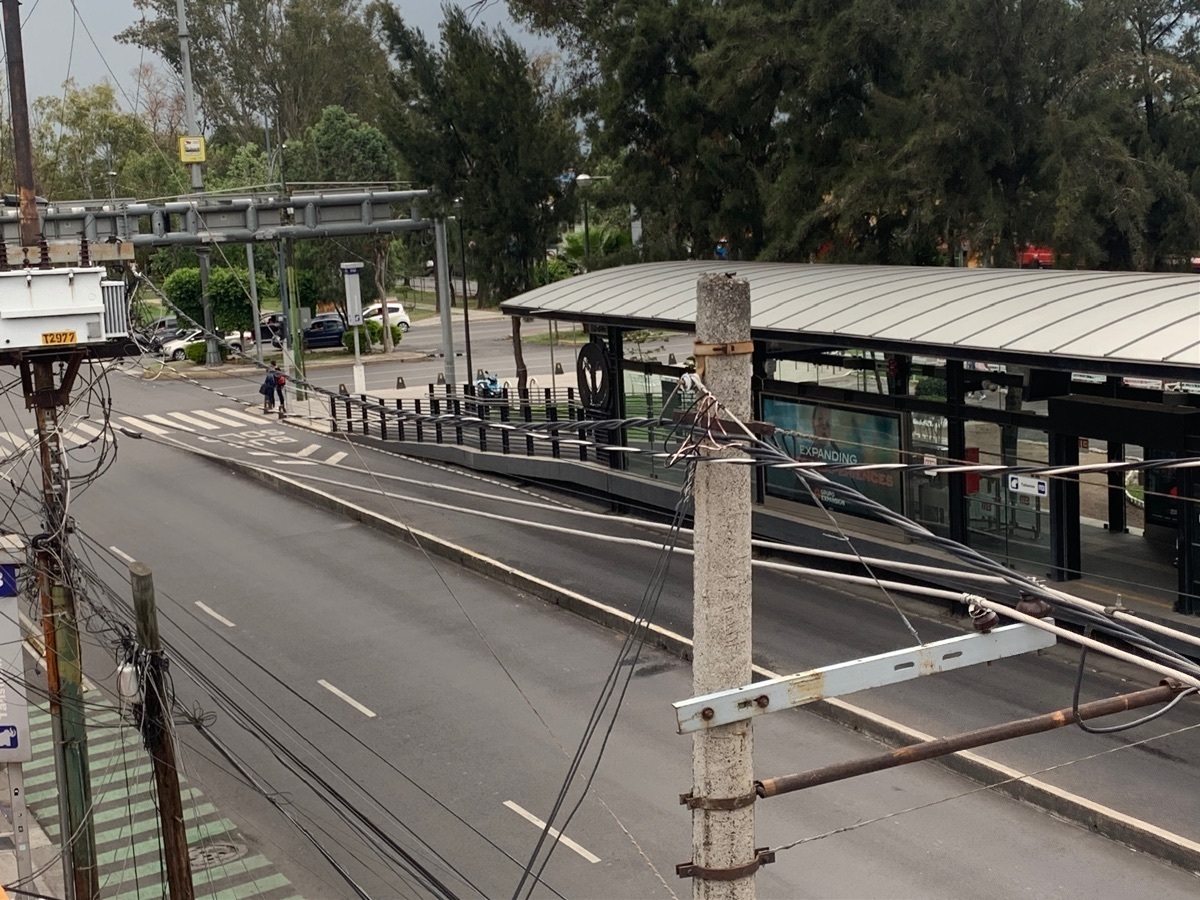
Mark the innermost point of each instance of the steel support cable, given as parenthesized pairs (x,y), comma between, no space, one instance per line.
(633,642)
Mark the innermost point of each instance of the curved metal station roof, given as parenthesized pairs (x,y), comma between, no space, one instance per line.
(1114,319)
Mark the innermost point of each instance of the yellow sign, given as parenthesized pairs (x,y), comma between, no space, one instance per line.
(191,149)
(58,337)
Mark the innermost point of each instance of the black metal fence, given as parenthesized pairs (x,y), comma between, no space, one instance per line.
(460,416)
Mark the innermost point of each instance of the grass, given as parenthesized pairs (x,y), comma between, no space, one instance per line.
(571,337)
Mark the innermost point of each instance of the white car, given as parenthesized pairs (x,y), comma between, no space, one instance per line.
(396,314)
(177,349)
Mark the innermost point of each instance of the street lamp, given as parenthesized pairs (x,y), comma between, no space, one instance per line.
(583,180)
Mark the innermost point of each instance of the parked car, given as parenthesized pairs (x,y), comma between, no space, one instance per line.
(324,332)
(396,314)
(176,349)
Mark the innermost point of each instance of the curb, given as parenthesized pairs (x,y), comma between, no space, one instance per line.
(1133,832)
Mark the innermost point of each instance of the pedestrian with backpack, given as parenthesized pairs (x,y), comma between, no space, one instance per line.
(267,389)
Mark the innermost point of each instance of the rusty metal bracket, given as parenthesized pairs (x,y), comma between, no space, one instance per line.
(762,856)
(728,348)
(701,349)
(691,801)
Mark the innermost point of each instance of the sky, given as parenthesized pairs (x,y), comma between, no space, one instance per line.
(96,56)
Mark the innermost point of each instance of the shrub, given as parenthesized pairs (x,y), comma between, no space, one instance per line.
(371,336)
(931,388)
(198,352)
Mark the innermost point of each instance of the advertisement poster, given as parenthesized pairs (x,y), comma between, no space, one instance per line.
(812,431)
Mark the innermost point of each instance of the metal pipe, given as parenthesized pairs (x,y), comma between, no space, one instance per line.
(785,784)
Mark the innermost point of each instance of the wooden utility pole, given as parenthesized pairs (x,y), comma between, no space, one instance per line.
(722,800)
(156,731)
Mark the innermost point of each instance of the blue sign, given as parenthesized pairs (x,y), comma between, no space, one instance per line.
(8,580)
(9,737)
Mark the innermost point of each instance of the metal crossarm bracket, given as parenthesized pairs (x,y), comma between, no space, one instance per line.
(762,856)
(724,707)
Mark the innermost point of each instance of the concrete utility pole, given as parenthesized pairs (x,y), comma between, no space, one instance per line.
(156,731)
(722,800)
(212,353)
(64,669)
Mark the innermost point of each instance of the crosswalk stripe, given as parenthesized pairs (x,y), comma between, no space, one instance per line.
(17,440)
(200,877)
(309,450)
(139,425)
(88,429)
(162,420)
(191,420)
(122,852)
(224,420)
(336,458)
(120,813)
(240,414)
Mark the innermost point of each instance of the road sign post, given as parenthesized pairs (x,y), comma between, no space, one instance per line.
(354,318)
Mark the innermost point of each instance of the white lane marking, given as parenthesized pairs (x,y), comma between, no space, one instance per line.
(553,832)
(191,420)
(223,420)
(309,450)
(170,424)
(336,458)
(125,556)
(362,709)
(204,607)
(139,425)
(296,462)
(260,453)
(239,414)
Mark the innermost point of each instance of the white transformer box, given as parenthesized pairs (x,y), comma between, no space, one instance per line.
(51,307)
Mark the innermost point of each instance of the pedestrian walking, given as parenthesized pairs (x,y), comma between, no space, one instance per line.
(280,381)
(267,389)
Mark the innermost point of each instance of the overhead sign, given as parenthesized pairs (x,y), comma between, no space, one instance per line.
(191,149)
(1024,484)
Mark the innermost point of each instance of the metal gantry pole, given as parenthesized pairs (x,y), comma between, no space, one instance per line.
(442,272)
(722,798)
(212,352)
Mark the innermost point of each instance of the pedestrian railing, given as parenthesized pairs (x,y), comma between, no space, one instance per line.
(460,416)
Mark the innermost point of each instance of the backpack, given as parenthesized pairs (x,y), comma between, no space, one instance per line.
(281,379)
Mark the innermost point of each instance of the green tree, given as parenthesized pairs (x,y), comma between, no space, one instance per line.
(475,120)
(228,292)
(341,148)
(281,61)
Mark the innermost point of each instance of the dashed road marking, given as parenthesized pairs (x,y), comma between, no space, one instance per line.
(309,450)
(205,608)
(553,832)
(336,458)
(344,696)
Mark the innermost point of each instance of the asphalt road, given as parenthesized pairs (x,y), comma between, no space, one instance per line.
(1148,773)
(476,691)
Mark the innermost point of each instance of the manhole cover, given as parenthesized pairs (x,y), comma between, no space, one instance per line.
(215,854)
